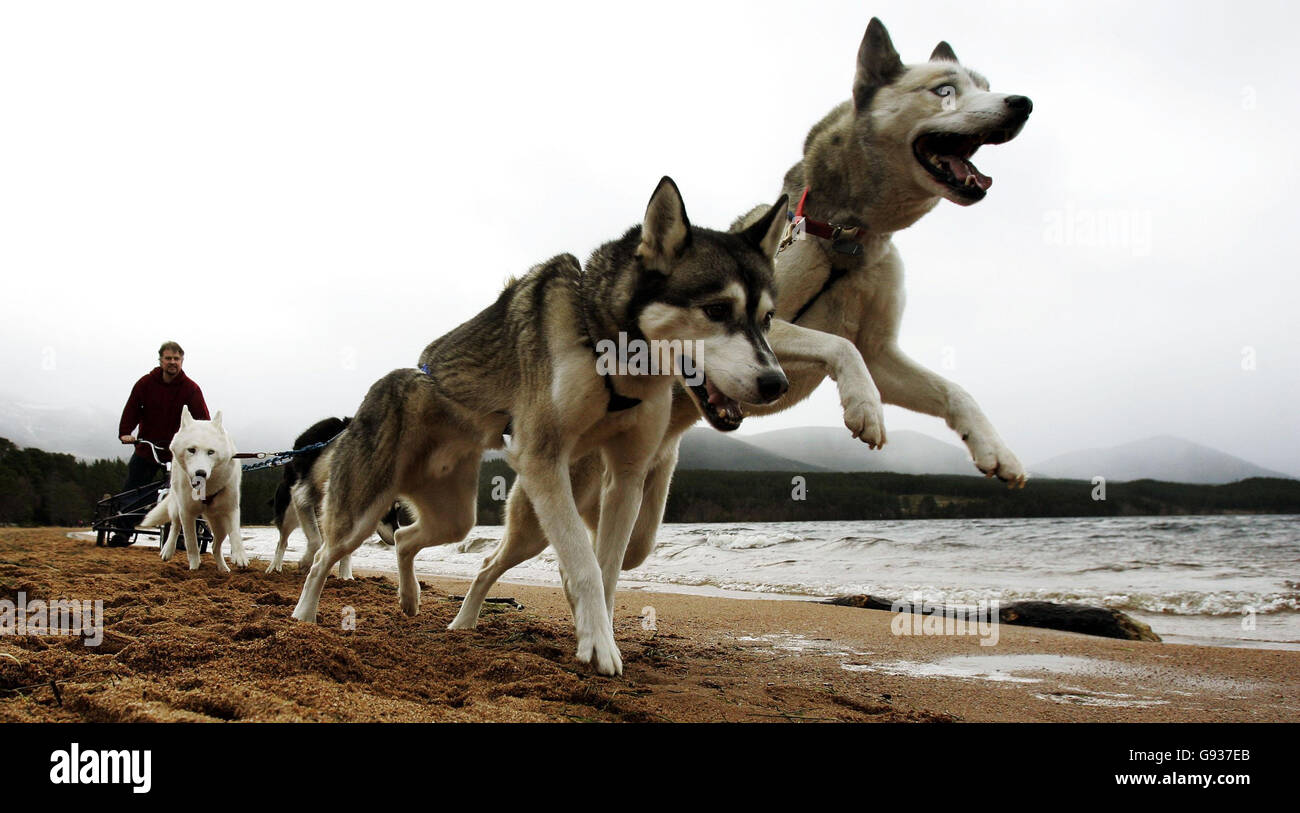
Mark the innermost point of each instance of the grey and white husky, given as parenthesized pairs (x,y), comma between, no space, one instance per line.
(874,165)
(536,361)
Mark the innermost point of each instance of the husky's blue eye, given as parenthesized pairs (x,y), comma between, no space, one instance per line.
(944,91)
(211,452)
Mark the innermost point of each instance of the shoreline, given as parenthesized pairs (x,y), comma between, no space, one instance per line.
(181,645)
(1173,628)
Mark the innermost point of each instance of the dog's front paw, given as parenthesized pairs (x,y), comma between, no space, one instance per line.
(409,599)
(275,567)
(168,551)
(240,559)
(462,621)
(866,420)
(596,646)
(222,567)
(994,459)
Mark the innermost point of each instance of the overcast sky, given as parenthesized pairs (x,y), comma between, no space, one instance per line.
(305,194)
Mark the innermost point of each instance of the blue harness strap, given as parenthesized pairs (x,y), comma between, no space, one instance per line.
(283,458)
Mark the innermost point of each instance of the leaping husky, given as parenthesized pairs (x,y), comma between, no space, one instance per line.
(874,165)
(533,361)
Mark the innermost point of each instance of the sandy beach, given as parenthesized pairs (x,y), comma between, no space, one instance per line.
(202,646)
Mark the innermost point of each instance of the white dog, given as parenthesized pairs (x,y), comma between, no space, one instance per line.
(204,481)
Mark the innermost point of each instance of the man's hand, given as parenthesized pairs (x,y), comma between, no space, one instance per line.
(127,438)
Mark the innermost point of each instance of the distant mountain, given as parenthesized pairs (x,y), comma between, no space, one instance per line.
(834,449)
(709,449)
(90,433)
(1163,457)
(83,431)
(820,448)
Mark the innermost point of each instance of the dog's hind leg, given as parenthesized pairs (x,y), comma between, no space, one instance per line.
(304,504)
(653,500)
(620,502)
(288,522)
(523,539)
(344,532)
(237,553)
(446,508)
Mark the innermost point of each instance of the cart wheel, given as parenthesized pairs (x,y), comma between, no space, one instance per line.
(101,538)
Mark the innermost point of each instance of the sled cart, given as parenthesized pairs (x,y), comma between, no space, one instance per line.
(114,511)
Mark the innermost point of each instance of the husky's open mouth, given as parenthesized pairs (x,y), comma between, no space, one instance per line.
(722,411)
(946,156)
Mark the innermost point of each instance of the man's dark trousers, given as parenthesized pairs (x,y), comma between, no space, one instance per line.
(139,472)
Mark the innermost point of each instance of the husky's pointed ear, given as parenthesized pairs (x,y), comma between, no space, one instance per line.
(666,232)
(766,232)
(216,419)
(878,64)
(186,418)
(943,53)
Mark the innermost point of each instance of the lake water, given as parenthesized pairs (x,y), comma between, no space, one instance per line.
(1222,580)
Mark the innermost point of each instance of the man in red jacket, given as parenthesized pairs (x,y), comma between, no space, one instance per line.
(155,407)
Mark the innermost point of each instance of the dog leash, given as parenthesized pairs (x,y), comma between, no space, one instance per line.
(274,459)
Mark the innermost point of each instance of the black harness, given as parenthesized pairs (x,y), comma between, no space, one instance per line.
(843,239)
(835,275)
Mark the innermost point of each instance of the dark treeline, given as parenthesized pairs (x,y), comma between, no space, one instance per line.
(42,488)
(743,496)
(724,496)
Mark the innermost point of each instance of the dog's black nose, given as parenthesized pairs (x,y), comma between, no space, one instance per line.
(1020,104)
(200,473)
(772,385)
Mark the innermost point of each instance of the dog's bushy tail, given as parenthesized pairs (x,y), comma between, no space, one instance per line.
(158,516)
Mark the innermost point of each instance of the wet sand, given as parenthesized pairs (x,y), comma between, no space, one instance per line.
(201,646)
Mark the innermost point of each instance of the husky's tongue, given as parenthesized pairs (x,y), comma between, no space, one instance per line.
(966,172)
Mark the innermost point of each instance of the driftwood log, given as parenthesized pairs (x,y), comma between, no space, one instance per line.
(1047,614)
